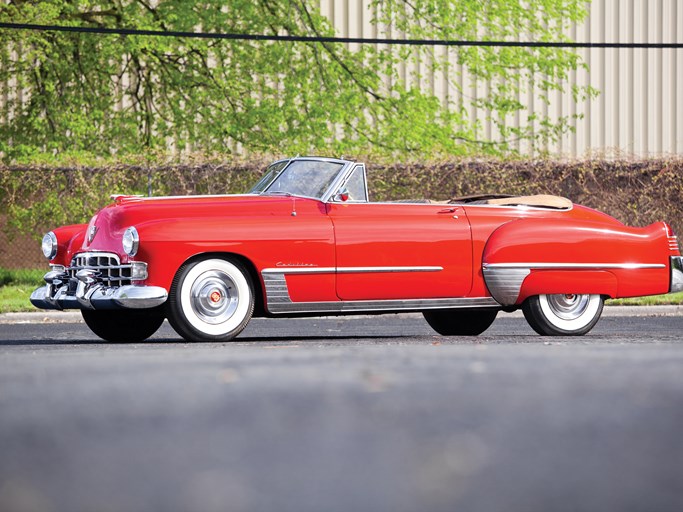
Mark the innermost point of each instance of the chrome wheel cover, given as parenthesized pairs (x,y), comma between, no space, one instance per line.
(570,312)
(214,297)
(568,306)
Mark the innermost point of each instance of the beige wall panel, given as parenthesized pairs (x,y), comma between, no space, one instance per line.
(639,111)
(675,63)
(624,93)
(609,71)
(653,76)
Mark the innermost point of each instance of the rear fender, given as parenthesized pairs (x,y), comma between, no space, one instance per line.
(538,256)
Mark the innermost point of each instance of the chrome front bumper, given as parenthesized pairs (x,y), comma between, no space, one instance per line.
(676,274)
(98,296)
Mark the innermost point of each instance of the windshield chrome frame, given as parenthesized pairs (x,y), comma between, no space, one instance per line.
(287,161)
(342,184)
(341,178)
(347,167)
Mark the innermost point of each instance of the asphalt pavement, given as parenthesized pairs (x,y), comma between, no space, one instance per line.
(356,413)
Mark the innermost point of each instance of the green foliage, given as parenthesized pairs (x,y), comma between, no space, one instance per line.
(673,299)
(506,72)
(16,287)
(15,299)
(636,192)
(108,95)
(21,277)
(38,198)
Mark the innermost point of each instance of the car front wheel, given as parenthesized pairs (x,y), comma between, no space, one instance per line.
(460,322)
(124,326)
(211,300)
(563,314)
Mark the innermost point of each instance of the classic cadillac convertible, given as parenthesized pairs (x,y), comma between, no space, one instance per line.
(306,240)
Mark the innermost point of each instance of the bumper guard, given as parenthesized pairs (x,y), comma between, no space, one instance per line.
(90,294)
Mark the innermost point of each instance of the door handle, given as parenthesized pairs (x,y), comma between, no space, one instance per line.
(448,210)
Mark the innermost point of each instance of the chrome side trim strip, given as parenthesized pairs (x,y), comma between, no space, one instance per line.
(279,301)
(361,306)
(346,270)
(373,270)
(578,266)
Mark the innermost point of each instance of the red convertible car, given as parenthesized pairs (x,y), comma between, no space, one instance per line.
(307,240)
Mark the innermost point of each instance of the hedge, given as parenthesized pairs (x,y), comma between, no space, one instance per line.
(637,192)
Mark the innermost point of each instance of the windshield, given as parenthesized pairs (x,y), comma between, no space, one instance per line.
(271,173)
(308,178)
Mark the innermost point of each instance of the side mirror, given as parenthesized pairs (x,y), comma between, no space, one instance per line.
(342,196)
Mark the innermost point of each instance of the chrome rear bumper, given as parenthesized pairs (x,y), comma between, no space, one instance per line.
(98,296)
(676,274)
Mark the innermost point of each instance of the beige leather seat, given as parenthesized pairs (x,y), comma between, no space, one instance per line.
(543,200)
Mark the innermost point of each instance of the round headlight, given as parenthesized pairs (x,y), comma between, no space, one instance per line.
(49,245)
(131,241)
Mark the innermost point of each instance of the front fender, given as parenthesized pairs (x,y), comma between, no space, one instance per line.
(69,240)
(536,256)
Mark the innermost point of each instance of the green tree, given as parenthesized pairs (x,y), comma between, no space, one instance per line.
(71,93)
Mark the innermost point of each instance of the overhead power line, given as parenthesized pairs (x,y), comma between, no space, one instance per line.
(323,39)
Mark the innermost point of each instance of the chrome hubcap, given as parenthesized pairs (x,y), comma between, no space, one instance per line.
(568,306)
(214,297)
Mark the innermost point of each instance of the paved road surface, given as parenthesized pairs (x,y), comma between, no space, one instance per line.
(347,414)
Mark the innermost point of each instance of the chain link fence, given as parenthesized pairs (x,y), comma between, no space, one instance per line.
(37,199)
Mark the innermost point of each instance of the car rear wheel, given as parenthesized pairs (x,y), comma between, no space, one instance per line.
(563,314)
(121,326)
(211,300)
(460,322)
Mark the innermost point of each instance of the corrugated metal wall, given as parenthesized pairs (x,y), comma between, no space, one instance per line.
(639,111)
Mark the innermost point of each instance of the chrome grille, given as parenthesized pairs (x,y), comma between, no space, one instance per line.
(107,264)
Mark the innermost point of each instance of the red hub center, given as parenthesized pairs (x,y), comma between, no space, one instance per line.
(215,296)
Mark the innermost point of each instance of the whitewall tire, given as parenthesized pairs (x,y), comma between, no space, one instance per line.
(211,300)
(563,314)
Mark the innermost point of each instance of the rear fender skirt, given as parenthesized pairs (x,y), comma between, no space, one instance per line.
(589,282)
(511,283)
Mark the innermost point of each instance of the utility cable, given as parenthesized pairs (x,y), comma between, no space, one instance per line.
(322,39)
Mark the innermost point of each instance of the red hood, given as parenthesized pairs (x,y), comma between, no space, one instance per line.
(126,211)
